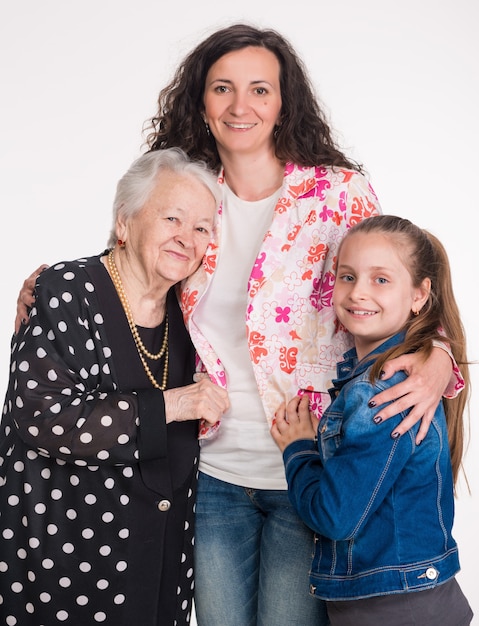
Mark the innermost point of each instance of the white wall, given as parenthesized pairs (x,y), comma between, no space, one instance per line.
(400,81)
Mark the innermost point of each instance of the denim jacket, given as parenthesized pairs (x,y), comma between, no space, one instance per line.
(382,508)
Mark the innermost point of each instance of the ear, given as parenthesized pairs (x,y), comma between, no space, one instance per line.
(421,295)
(121,229)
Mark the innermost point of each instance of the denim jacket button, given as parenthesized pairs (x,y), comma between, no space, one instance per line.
(431,573)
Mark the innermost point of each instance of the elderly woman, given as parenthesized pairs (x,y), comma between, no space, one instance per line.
(98,455)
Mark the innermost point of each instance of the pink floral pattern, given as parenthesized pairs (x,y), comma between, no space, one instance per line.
(293,337)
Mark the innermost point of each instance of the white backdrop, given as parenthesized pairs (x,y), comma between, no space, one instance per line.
(399,80)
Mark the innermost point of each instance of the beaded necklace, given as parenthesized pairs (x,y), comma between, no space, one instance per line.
(142,351)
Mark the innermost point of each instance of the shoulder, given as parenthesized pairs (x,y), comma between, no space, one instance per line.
(360,385)
(355,184)
(378,384)
(336,175)
(360,389)
(67,282)
(350,409)
(322,181)
(67,272)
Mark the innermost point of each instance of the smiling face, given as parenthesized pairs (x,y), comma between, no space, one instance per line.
(167,238)
(242,101)
(373,292)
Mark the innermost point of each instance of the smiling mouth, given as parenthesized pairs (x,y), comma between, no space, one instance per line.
(240,126)
(362,313)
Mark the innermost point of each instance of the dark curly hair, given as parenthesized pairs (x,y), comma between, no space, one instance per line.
(304,136)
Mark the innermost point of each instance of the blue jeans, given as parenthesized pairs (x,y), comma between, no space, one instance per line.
(252,559)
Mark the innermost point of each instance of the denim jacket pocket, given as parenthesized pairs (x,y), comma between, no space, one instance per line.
(329,435)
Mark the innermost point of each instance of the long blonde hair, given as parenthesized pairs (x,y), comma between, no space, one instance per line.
(439,320)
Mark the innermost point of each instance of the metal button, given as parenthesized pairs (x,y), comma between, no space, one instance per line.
(432,573)
(164,505)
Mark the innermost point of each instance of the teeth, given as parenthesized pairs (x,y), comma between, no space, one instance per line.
(366,313)
(240,125)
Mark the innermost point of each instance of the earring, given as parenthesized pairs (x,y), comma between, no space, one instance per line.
(415,313)
(207,129)
(121,243)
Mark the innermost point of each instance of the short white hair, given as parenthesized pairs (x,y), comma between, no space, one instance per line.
(137,184)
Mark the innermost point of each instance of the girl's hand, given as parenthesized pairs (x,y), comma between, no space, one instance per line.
(26,298)
(422,390)
(292,422)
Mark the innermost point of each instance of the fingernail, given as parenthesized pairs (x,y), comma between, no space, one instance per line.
(382,374)
(371,404)
(396,435)
(419,442)
(378,419)
(24,321)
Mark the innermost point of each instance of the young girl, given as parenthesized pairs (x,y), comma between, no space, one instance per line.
(382,507)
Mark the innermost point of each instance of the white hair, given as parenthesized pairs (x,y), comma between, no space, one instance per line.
(136,186)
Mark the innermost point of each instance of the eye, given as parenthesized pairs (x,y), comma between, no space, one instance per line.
(261,91)
(221,89)
(347,278)
(382,281)
(203,230)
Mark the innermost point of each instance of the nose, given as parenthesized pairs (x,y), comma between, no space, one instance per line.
(184,238)
(239,103)
(357,291)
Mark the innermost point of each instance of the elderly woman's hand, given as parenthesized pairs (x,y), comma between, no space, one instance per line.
(25,297)
(202,400)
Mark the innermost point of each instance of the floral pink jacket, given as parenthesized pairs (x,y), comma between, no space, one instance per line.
(293,339)
(292,332)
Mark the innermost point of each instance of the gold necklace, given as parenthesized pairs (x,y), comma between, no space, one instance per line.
(115,276)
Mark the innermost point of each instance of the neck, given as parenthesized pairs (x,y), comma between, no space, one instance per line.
(147,302)
(143,353)
(253,179)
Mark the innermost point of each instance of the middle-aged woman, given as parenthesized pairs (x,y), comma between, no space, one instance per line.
(99,446)
(259,310)
(260,314)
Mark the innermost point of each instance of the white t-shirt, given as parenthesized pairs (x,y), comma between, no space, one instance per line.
(243,452)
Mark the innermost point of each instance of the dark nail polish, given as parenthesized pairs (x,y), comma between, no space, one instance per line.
(378,419)
(419,443)
(395,435)
(382,373)
(371,404)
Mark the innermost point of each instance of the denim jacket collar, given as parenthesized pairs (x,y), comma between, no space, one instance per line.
(350,367)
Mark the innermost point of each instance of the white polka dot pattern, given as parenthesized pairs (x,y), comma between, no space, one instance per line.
(81,534)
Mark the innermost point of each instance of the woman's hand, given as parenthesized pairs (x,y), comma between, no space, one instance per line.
(422,390)
(201,400)
(25,297)
(292,422)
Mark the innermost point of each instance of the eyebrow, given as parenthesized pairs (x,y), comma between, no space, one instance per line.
(186,212)
(228,80)
(376,268)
